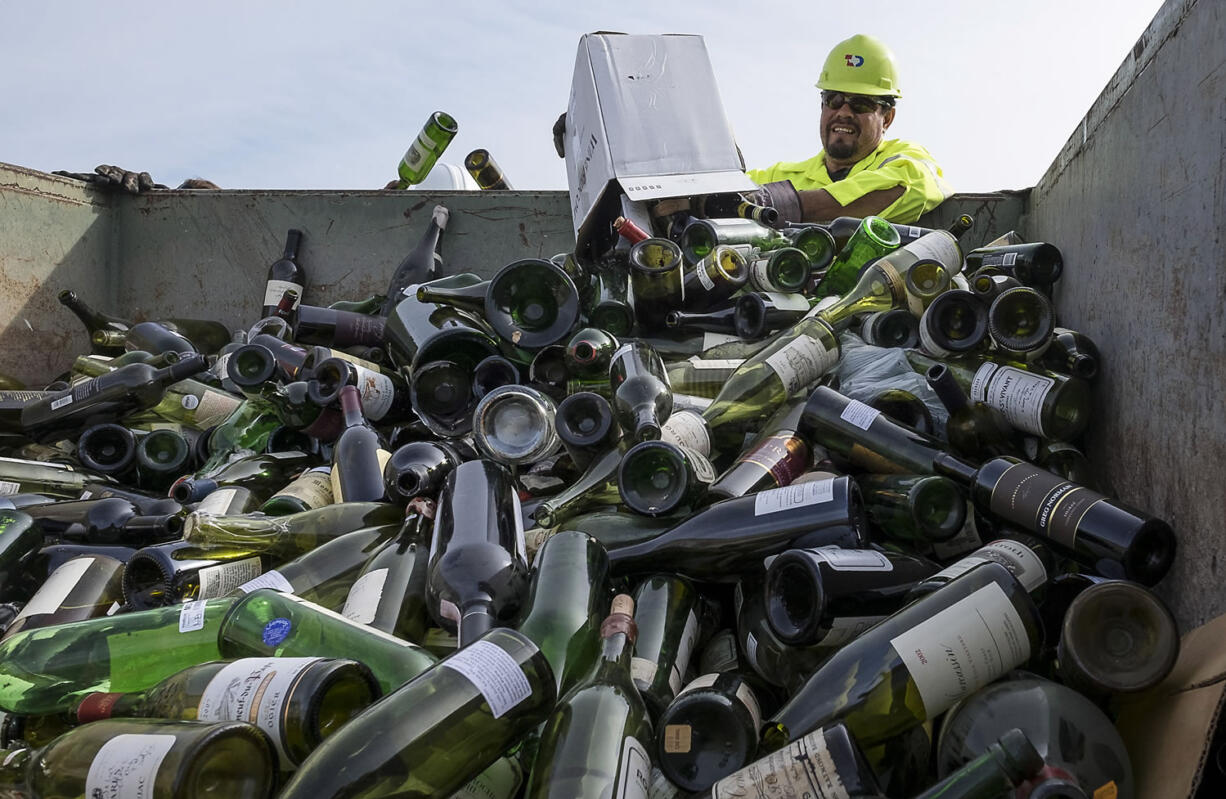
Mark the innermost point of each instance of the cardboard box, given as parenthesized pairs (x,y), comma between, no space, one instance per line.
(1170,730)
(645,120)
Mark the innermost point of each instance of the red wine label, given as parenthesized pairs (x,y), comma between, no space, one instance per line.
(1041,501)
(783,456)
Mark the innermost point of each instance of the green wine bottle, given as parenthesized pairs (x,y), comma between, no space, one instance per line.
(81,588)
(708,731)
(486,171)
(873,238)
(656,272)
(268,623)
(1005,765)
(666,613)
(914,509)
(390,592)
(423,153)
(179,571)
(825,764)
(285,537)
(48,670)
(481,700)
(566,601)
(596,487)
(658,478)
(297,701)
(916,663)
(793,360)
(594,743)
(142,757)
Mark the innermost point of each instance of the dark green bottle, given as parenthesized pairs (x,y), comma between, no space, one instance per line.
(389,593)
(657,478)
(595,742)
(1005,765)
(666,611)
(914,509)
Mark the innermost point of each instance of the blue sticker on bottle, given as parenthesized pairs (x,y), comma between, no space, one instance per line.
(277,631)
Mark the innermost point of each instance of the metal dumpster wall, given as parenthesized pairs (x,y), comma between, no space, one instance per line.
(1136,201)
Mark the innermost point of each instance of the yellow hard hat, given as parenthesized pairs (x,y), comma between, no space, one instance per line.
(860,65)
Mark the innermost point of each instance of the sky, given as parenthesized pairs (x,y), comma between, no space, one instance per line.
(327,95)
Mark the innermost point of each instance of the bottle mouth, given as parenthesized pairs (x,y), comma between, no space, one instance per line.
(1021,320)
(794,599)
(959,321)
(514,425)
(657,257)
(653,478)
(939,509)
(749,317)
(251,365)
(532,303)
(1120,636)
(584,419)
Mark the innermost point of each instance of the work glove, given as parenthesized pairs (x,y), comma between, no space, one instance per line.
(108,176)
(782,196)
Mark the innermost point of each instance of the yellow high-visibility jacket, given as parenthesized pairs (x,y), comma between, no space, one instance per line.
(895,162)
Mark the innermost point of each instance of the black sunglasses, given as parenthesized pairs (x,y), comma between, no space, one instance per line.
(858,102)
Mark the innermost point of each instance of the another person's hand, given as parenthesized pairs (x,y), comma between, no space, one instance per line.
(109,176)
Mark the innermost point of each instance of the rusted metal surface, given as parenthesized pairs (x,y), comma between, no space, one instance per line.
(1138,207)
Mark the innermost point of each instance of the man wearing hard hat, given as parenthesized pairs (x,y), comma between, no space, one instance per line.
(858,172)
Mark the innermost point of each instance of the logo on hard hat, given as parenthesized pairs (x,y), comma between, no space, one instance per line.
(854,60)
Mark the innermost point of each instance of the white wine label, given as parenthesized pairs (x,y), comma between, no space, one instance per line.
(715,363)
(253,690)
(801,361)
(274,290)
(126,766)
(217,502)
(940,245)
(1019,559)
(703,277)
(416,153)
(270,579)
(853,560)
(377,392)
(710,339)
(214,407)
(55,589)
(1010,259)
(191,616)
(859,414)
(787,302)
(1016,393)
(845,629)
(313,487)
(222,578)
(678,738)
(703,469)
(687,429)
(967,539)
(634,771)
(963,647)
(8,488)
(804,769)
(363,601)
(685,649)
(56,404)
(793,496)
(643,671)
(494,673)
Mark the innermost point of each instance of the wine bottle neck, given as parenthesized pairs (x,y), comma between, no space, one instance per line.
(955,467)
(292,240)
(477,618)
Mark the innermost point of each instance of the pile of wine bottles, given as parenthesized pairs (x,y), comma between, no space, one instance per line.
(600,525)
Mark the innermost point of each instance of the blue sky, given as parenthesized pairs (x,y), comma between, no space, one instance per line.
(328,95)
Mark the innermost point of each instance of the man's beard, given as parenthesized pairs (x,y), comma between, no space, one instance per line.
(841,149)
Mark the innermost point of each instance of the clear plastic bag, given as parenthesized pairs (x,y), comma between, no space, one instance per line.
(865,371)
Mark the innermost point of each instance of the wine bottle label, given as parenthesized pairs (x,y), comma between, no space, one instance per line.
(643,671)
(213,407)
(1043,502)
(715,363)
(222,578)
(686,429)
(501,780)
(859,414)
(127,766)
(191,616)
(1016,393)
(804,769)
(940,245)
(55,589)
(634,771)
(42,465)
(685,649)
(494,673)
(314,487)
(113,609)
(845,629)
(274,290)
(793,496)
(704,277)
(218,502)
(254,690)
(852,560)
(787,302)
(678,738)
(363,601)
(270,579)
(967,539)
(416,154)
(9,488)
(703,469)
(801,361)
(743,694)
(661,788)
(1019,559)
(710,339)
(783,456)
(964,647)
(377,392)
(1108,791)
(56,404)
(927,343)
